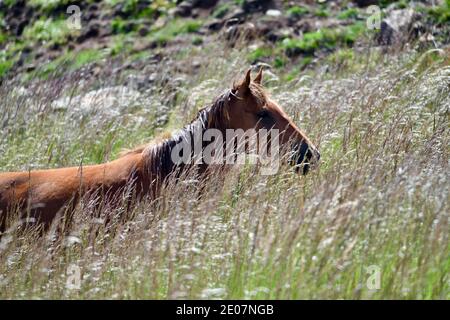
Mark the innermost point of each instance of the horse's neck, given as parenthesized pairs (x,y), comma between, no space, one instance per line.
(159,157)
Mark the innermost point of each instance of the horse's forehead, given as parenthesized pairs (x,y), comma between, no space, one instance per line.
(259,101)
(251,104)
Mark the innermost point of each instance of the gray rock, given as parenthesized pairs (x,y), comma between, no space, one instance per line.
(214,25)
(245,31)
(237,15)
(398,27)
(273,28)
(273,13)
(184,9)
(105,102)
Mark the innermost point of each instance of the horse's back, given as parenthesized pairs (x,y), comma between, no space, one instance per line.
(45,192)
(41,192)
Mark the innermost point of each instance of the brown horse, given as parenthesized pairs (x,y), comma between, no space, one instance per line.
(43,194)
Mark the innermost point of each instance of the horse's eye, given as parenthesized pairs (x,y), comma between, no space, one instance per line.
(263,114)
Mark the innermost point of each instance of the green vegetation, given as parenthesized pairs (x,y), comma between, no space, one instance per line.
(351,13)
(9,3)
(441,14)
(221,10)
(86,56)
(345,59)
(119,25)
(9,56)
(327,38)
(52,30)
(296,70)
(349,34)
(197,40)
(48,30)
(297,11)
(341,56)
(69,61)
(48,5)
(5,66)
(259,53)
(131,7)
(311,41)
(402,4)
(119,44)
(322,12)
(3,38)
(174,28)
(279,62)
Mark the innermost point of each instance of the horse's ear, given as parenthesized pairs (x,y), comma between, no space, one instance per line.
(243,87)
(258,78)
(247,79)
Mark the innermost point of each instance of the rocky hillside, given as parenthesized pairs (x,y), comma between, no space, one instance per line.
(38,37)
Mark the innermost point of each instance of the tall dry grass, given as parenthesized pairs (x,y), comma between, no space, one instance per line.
(379,202)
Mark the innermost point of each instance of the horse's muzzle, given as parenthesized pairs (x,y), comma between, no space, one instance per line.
(304,157)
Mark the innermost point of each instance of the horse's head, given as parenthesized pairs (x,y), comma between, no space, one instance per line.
(249,107)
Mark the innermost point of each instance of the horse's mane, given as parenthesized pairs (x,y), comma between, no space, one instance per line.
(157,154)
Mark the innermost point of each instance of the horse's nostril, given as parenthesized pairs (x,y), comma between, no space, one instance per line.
(303,153)
(305,169)
(306,157)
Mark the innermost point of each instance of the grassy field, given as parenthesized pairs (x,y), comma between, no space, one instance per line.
(372,222)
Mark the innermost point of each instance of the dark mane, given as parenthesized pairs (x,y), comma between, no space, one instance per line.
(157,157)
